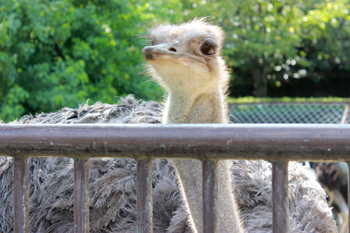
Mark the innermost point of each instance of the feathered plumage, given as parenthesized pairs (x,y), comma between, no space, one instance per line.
(113,191)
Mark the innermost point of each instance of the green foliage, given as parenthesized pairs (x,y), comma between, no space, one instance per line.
(59,53)
(327,40)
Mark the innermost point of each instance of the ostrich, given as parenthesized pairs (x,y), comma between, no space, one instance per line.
(196,89)
(333,177)
(185,60)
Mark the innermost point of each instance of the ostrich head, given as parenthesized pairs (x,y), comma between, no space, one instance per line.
(186,58)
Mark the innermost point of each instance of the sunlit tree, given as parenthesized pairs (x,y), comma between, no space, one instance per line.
(60,53)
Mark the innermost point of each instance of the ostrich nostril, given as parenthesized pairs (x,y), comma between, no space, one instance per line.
(149,56)
(172,49)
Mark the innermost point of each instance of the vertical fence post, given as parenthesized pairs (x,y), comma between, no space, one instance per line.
(280,196)
(210,196)
(81,195)
(144,196)
(345,114)
(21,194)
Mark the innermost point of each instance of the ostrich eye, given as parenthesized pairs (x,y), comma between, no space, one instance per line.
(209,47)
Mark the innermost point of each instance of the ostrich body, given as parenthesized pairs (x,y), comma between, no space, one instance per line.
(333,177)
(112,185)
(181,56)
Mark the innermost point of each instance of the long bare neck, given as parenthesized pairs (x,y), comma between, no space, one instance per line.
(206,107)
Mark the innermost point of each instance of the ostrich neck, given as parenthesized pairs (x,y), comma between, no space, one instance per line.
(202,108)
(182,107)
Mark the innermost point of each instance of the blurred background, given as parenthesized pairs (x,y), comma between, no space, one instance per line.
(60,53)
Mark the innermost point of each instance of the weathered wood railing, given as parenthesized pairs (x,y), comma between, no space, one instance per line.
(277,143)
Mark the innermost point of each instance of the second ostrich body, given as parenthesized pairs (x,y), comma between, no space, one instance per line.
(196,89)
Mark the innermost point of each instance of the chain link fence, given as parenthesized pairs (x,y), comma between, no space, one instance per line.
(327,113)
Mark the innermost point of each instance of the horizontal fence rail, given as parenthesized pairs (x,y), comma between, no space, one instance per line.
(297,142)
(208,142)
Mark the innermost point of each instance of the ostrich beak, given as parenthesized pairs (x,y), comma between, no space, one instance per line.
(152,52)
(168,52)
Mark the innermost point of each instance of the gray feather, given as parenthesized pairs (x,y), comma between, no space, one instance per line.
(112,185)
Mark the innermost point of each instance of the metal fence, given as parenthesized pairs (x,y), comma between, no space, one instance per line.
(277,143)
